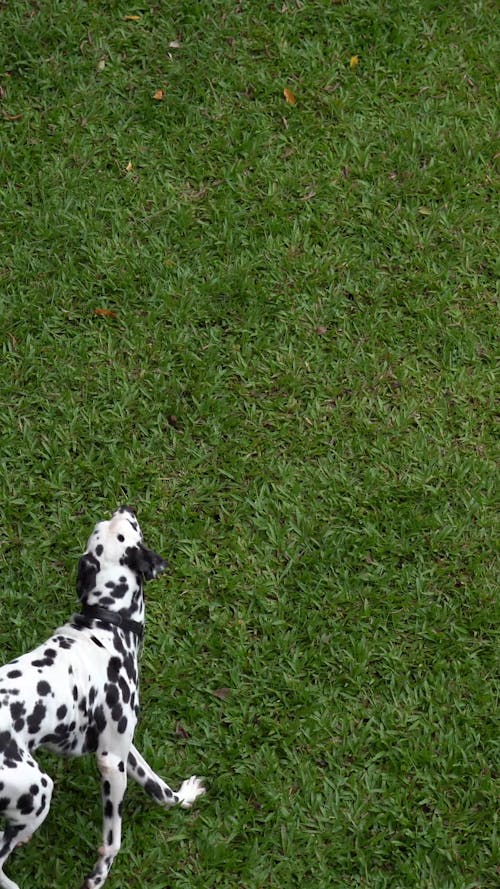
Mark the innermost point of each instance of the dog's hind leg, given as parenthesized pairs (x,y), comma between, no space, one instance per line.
(26,794)
(113,783)
(157,789)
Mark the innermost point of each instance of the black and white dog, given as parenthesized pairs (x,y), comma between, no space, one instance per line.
(78,693)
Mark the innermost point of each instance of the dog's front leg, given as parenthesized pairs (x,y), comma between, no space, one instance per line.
(113,784)
(157,789)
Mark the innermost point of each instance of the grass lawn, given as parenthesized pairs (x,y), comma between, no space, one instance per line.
(293,382)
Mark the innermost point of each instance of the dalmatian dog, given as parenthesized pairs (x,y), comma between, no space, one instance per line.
(78,693)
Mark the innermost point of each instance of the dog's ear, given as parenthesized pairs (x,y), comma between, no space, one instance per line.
(88,566)
(144,561)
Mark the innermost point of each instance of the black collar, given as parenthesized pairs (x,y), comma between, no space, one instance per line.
(95,612)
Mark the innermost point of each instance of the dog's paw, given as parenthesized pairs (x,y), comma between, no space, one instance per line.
(189,791)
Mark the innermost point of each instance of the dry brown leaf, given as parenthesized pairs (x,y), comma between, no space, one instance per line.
(321,330)
(222,693)
(159,95)
(105,313)
(309,195)
(181,732)
(13,116)
(289,96)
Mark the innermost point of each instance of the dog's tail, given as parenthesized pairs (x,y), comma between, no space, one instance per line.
(157,789)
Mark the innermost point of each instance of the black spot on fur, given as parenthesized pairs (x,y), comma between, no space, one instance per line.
(114,669)
(43,688)
(11,752)
(112,696)
(25,804)
(91,739)
(36,718)
(41,806)
(119,589)
(14,674)
(100,718)
(65,641)
(153,788)
(125,690)
(17,710)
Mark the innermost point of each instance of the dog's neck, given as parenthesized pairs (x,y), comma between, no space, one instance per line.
(121,595)
(109,619)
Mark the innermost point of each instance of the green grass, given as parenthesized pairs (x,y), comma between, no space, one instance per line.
(297,394)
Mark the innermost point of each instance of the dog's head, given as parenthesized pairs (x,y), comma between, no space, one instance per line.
(114,552)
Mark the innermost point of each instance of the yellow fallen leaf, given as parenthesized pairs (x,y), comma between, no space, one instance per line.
(159,95)
(132,18)
(354,61)
(289,96)
(105,313)
(129,167)
(101,64)
(425,211)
